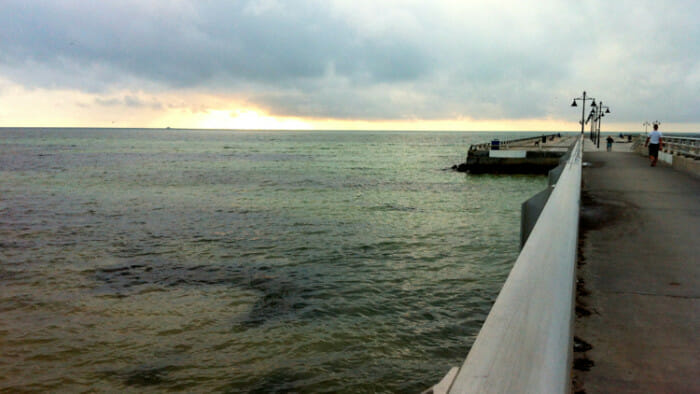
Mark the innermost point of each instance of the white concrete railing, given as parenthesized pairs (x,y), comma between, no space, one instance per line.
(689,147)
(525,345)
(681,153)
(673,145)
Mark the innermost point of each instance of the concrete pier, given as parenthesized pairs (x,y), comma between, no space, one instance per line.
(638,301)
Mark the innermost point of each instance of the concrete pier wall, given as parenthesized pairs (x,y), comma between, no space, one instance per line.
(506,162)
(687,165)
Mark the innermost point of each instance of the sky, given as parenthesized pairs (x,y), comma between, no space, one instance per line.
(349,64)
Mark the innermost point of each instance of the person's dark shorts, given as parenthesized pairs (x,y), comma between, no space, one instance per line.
(654,150)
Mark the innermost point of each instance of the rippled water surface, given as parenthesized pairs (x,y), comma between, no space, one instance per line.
(200,261)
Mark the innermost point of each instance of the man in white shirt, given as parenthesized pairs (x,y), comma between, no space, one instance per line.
(655,142)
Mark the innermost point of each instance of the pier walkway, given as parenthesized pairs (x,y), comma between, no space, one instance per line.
(639,276)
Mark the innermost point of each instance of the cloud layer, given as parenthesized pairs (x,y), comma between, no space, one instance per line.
(362,59)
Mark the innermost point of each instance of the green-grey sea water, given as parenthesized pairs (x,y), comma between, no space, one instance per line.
(223,261)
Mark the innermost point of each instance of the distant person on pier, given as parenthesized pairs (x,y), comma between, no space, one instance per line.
(610,141)
(655,142)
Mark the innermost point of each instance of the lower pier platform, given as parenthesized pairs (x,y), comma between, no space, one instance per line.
(535,155)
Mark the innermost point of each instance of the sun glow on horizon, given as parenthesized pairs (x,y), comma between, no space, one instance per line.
(22,107)
(249,119)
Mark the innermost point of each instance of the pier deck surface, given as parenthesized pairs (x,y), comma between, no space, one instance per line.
(557,144)
(640,265)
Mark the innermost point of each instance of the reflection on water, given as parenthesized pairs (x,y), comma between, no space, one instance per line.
(198,261)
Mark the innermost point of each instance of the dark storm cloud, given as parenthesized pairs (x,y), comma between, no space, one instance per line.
(365,59)
(193,45)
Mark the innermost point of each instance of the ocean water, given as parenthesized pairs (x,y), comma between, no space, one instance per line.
(223,261)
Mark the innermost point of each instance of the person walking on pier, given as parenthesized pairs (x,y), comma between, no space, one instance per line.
(655,142)
(609,141)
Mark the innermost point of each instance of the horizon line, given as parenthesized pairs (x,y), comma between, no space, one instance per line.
(330,130)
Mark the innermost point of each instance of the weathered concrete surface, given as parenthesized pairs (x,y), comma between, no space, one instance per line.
(639,270)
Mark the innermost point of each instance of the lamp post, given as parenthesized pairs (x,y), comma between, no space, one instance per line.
(600,118)
(583,109)
(646,124)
